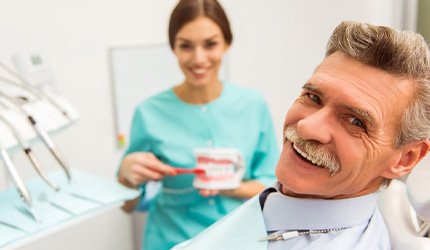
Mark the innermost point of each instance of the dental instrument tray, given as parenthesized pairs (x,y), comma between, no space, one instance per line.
(85,196)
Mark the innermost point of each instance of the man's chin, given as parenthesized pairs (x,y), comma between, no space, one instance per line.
(292,187)
(286,191)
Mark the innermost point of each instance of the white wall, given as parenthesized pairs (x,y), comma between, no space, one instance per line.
(277,45)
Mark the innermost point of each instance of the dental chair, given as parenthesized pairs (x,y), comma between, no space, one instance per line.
(405,206)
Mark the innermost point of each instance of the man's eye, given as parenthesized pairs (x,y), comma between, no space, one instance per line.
(356,122)
(316,99)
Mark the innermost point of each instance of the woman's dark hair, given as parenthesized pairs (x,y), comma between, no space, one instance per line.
(188,10)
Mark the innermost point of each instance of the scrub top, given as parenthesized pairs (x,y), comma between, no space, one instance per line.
(170,129)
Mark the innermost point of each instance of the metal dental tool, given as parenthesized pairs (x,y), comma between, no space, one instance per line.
(24,84)
(286,235)
(22,189)
(43,135)
(27,150)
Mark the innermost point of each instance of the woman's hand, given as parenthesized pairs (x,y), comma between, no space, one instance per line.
(208,192)
(140,167)
(247,189)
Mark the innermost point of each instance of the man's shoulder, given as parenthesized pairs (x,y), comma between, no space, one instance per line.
(370,235)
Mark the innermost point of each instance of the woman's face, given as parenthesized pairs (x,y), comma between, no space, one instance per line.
(199,46)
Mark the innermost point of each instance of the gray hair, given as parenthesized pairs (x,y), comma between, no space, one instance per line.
(400,53)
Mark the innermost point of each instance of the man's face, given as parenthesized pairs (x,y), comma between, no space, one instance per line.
(344,120)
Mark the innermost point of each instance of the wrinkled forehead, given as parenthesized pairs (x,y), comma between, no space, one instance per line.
(339,69)
(348,82)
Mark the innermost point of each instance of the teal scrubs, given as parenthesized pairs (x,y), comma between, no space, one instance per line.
(171,128)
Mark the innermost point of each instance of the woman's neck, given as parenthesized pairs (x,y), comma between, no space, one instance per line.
(198,94)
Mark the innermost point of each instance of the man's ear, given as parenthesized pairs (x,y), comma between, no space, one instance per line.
(410,155)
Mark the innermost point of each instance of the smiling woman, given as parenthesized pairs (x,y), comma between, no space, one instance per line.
(201,112)
(199,48)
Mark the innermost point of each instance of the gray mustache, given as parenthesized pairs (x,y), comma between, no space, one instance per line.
(314,150)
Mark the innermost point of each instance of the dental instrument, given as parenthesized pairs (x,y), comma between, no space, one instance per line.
(43,135)
(27,150)
(286,235)
(22,189)
(24,84)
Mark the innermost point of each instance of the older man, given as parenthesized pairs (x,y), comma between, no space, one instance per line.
(362,119)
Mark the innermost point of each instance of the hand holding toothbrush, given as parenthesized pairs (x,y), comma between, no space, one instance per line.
(140,167)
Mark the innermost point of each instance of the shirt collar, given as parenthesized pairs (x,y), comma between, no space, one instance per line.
(283,212)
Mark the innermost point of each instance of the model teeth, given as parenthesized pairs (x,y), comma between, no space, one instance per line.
(307,157)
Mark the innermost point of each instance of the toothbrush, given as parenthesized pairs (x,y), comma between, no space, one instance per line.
(190,171)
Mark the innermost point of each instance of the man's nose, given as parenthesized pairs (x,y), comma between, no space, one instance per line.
(316,126)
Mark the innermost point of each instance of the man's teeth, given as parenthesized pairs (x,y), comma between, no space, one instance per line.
(307,157)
